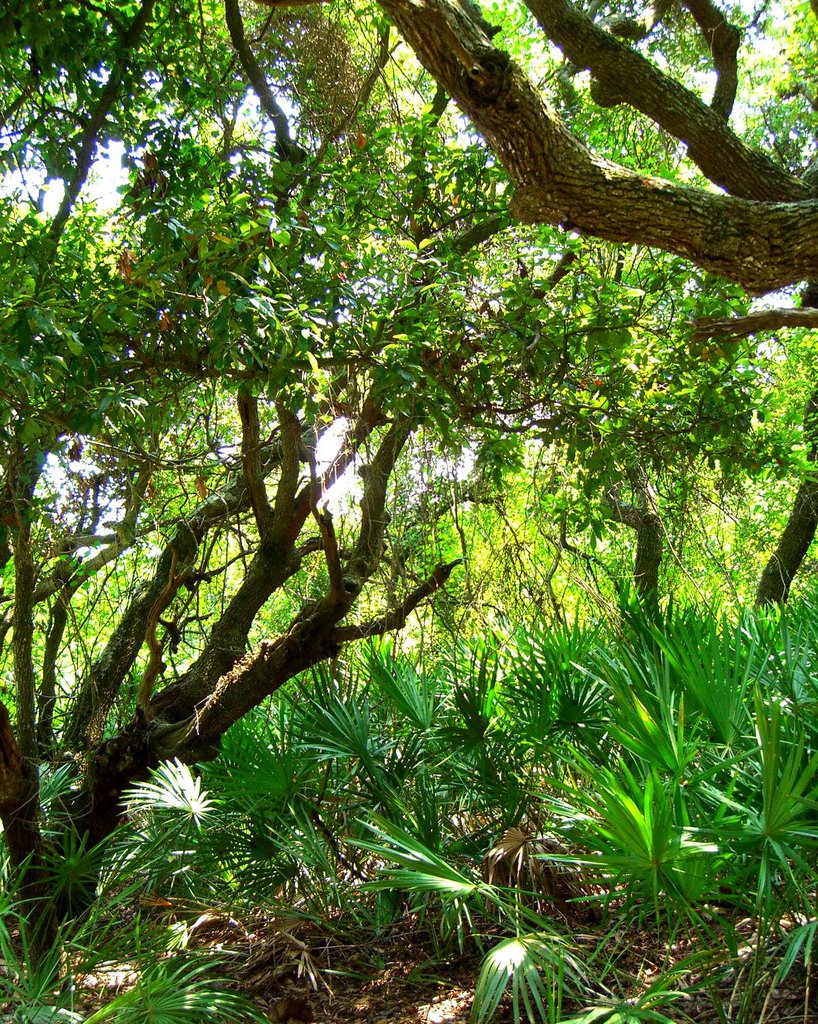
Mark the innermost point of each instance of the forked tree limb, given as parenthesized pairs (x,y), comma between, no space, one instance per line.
(270,567)
(630,78)
(762,245)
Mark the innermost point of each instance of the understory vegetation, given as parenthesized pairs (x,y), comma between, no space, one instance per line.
(543,797)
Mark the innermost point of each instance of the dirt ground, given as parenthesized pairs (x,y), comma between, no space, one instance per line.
(296,975)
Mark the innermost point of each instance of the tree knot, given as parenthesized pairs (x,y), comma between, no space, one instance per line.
(486,80)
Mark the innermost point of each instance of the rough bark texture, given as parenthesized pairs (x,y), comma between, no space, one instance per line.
(19,813)
(799,533)
(731,328)
(645,520)
(763,236)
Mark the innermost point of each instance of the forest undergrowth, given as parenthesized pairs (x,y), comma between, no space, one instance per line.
(592,822)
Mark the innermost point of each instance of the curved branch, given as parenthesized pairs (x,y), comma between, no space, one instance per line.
(802,524)
(369,546)
(760,245)
(636,28)
(723,40)
(626,76)
(286,148)
(272,565)
(645,520)
(734,327)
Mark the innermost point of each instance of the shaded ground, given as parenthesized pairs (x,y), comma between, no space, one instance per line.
(301,979)
(298,975)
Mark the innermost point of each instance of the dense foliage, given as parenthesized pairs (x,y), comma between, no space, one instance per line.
(321,322)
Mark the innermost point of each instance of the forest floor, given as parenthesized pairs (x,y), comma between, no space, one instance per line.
(296,975)
(401,977)
(410,986)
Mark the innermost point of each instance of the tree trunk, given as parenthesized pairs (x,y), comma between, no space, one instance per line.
(647,523)
(648,554)
(785,561)
(19,813)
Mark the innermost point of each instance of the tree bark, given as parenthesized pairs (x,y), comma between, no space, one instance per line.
(19,777)
(799,533)
(19,813)
(763,237)
(645,520)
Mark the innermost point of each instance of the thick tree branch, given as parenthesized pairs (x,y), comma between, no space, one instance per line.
(198,711)
(479,233)
(369,546)
(635,28)
(271,566)
(625,76)
(288,514)
(100,685)
(58,619)
(645,521)
(184,549)
(761,245)
(99,688)
(621,511)
(286,148)
(730,328)
(723,40)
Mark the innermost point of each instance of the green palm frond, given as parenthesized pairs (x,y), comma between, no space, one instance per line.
(716,664)
(172,787)
(418,869)
(533,967)
(176,992)
(636,834)
(416,696)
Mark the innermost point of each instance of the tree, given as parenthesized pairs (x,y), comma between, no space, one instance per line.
(760,234)
(644,519)
(188,379)
(308,270)
(799,532)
